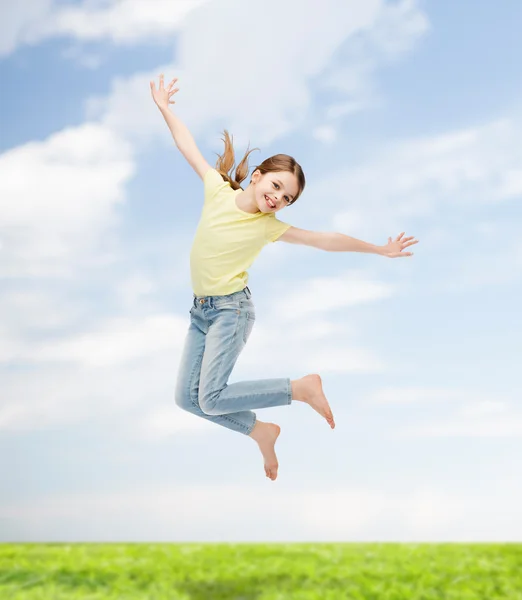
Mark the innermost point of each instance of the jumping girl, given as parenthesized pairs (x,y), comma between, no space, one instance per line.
(235,225)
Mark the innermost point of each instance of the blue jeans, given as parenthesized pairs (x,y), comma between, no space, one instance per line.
(219,329)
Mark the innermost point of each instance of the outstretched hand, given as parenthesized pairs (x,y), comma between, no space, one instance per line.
(162,95)
(395,248)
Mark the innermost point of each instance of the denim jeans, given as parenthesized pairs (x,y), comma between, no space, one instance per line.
(219,329)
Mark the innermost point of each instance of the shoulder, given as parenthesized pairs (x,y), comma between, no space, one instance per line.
(214,183)
(212,176)
(274,227)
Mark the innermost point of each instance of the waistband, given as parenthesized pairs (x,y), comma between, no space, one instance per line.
(209,299)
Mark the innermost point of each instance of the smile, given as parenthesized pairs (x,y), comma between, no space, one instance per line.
(269,202)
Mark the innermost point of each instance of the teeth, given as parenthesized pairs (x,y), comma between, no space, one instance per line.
(270,203)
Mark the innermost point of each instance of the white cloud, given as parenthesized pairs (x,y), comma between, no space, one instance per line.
(58,196)
(307,56)
(87,59)
(412,394)
(16,20)
(338,109)
(318,294)
(415,178)
(130,110)
(434,188)
(395,29)
(55,395)
(470,413)
(484,407)
(487,265)
(164,421)
(490,426)
(399,26)
(120,21)
(434,513)
(391,28)
(336,513)
(120,340)
(325,134)
(137,291)
(32,313)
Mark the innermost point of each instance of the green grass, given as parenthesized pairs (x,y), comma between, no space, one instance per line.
(324,571)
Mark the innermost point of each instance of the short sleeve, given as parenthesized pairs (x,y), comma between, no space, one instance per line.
(275,228)
(213,183)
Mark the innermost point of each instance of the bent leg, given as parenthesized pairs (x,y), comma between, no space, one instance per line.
(226,338)
(187,385)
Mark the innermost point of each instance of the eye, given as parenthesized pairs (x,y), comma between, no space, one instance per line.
(276,185)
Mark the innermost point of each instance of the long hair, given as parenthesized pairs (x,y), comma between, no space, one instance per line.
(278,162)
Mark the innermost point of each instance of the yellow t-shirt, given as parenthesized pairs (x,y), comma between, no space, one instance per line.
(227,240)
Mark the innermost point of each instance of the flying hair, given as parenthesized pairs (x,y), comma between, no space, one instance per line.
(278,162)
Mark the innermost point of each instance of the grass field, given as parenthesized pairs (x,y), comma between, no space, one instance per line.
(324,571)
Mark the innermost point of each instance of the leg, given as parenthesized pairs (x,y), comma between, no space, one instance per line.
(187,385)
(227,335)
(187,390)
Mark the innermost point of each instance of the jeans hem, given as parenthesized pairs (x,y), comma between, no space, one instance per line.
(250,429)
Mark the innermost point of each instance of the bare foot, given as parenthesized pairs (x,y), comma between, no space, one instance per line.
(309,389)
(266,434)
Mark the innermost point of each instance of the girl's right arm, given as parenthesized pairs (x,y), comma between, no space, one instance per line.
(182,136)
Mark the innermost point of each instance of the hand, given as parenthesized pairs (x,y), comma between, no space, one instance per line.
(395,248)
(162,96)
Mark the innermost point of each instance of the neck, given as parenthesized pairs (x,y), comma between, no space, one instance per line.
(246,201)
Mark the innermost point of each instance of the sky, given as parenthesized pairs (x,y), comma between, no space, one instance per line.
(405,116)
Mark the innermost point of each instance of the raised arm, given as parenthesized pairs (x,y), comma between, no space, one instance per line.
(182,136)
(339,242)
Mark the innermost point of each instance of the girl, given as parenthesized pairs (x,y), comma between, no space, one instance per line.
(235,225)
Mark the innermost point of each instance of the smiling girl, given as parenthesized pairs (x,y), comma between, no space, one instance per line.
(234,226)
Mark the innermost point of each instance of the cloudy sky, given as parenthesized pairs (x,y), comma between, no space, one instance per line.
(405,116)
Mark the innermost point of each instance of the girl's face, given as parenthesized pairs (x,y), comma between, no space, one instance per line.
(274,191)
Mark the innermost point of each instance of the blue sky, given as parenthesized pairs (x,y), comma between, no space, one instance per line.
(406,116)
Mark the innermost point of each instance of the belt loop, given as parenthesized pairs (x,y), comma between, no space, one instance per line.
(248,292)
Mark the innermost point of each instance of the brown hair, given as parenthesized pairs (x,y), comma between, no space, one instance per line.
(278,162)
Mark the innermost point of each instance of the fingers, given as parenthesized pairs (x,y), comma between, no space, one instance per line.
(161,87)
(404,242)
(406,238)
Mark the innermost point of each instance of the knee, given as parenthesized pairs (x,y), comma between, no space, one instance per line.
(208,409)
(183,400)
(208,405)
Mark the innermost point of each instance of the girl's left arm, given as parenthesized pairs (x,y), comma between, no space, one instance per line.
(339,242)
